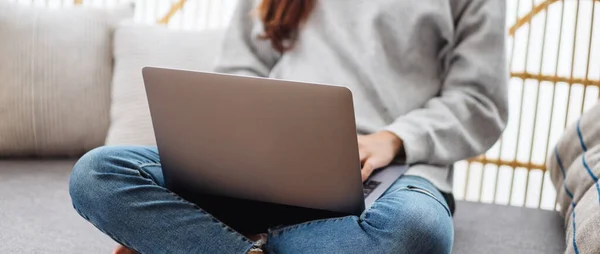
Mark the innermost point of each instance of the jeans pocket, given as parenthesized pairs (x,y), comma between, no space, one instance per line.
(428,193)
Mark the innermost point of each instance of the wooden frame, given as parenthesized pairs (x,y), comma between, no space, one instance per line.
(586,82)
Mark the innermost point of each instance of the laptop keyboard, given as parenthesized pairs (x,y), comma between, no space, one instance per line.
(369,186)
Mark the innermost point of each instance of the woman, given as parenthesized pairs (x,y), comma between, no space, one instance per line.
(429,83)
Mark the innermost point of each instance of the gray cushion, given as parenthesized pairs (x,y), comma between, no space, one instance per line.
(36,215)
(485,228)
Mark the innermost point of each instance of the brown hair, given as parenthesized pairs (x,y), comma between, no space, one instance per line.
(282,20)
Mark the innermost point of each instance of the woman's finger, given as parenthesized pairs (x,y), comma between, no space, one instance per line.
(378,162)
(363,155)
(371,164)
(366,170)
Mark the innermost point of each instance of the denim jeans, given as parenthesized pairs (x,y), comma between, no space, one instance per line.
(120,190)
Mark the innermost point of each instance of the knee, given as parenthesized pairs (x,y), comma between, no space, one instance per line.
(434,228)
(428,223)
(415,223)
(85,183)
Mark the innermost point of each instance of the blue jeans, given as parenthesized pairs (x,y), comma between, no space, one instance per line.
(120,190)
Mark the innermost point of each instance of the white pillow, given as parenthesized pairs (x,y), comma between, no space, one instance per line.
(55,73)
(137,46)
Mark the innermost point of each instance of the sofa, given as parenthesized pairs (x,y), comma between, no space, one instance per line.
(72,82)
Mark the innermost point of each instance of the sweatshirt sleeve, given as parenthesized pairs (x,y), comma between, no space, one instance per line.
(471,110)
(242,51)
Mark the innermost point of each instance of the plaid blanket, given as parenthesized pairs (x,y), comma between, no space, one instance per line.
(574,168)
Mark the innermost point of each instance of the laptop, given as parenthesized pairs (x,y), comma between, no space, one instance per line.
(260,153)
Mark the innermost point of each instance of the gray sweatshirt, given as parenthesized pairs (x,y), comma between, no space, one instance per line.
(431,71)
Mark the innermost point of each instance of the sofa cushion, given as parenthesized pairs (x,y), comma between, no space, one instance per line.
(55,74)
(498,229)
(138,46)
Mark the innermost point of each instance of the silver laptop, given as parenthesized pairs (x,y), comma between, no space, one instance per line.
(266,140)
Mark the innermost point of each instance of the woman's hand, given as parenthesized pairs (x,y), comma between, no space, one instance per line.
(377,151)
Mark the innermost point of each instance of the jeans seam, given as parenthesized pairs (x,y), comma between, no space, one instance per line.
(152,164)
(215,220)
(427,193)
(304,224)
